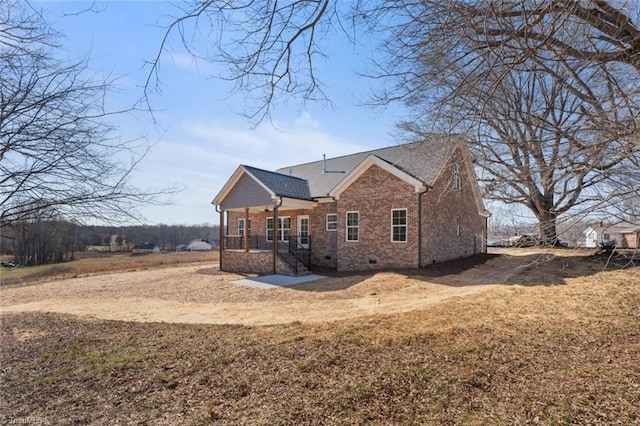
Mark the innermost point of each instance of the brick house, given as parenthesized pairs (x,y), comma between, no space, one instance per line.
(404,206)
(621,235)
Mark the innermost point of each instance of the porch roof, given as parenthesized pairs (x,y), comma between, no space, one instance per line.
(257,189)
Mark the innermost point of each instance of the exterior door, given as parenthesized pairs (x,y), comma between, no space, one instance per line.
(303,231)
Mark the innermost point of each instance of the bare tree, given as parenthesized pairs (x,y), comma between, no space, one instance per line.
(268,49)
(436,57)
(271,48)
(531,136)
(429,41)
(58,152)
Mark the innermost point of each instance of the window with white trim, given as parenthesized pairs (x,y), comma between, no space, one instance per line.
(353,226)
(284,227)
(241,228)
(269,229)
(456,176)
(332,222)
(399,225)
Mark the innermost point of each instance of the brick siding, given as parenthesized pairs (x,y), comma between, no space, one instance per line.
(374,194)
(442,205)
(260,263)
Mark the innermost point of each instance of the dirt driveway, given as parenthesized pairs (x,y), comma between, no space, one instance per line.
(199,294)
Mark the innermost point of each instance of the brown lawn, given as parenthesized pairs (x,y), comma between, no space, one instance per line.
(524,337)
(199,293)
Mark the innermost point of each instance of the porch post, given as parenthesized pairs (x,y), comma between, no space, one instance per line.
(221,245)
(246,229)
(275,237)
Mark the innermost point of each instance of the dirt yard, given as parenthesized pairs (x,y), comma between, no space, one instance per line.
(202,294)
(522,337)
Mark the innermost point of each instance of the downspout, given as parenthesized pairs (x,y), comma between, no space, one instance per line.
(420,216)
(275,233)
(246,230)
(222,234)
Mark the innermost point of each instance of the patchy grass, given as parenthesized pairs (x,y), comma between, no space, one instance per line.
(519,354)
(93,263)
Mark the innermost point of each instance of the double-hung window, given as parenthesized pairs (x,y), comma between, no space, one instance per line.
(242,228)
(332,222)
(269,229)
(353,226)
(399,225)
(284,227)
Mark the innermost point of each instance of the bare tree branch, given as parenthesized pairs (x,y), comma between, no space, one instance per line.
(58,151)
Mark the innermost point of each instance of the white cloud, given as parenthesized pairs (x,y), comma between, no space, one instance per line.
(202,156)
(187,61)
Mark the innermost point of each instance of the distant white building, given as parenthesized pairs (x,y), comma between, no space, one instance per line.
(199,245)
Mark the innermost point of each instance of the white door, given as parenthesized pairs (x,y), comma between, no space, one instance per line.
(303,231)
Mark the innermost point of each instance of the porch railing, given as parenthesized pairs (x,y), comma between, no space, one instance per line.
(256,242)
(297,246)
(259,242)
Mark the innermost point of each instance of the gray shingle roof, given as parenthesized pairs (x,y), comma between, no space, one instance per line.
(422,160)
(281,184)
(618,228)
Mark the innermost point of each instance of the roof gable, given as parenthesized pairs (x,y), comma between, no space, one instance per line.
(252,186)
(369,161)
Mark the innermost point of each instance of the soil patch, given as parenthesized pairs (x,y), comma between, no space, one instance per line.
(199,294)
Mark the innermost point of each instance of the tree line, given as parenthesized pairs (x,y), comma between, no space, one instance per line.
(46,240)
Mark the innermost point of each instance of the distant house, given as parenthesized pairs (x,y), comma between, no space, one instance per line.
(403,206)
(145,248)
(199,245)
(622,235)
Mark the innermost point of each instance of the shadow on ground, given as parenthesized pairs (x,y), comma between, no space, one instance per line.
(530,269)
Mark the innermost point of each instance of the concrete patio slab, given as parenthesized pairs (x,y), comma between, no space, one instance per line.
(275,281)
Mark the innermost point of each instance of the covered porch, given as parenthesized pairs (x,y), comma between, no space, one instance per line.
(248,245)
(264,223)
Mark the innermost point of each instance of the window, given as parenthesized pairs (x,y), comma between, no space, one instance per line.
(456,176)
(399,225)
(458,226)
(241,228)
(284,227)
(332,221)
(269,229)
(353,222)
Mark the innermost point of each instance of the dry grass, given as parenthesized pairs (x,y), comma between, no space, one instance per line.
(100,263)
(559,343)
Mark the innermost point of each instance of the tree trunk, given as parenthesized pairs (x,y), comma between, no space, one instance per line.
(547,228)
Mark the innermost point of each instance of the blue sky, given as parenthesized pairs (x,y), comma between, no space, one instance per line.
(200,139)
